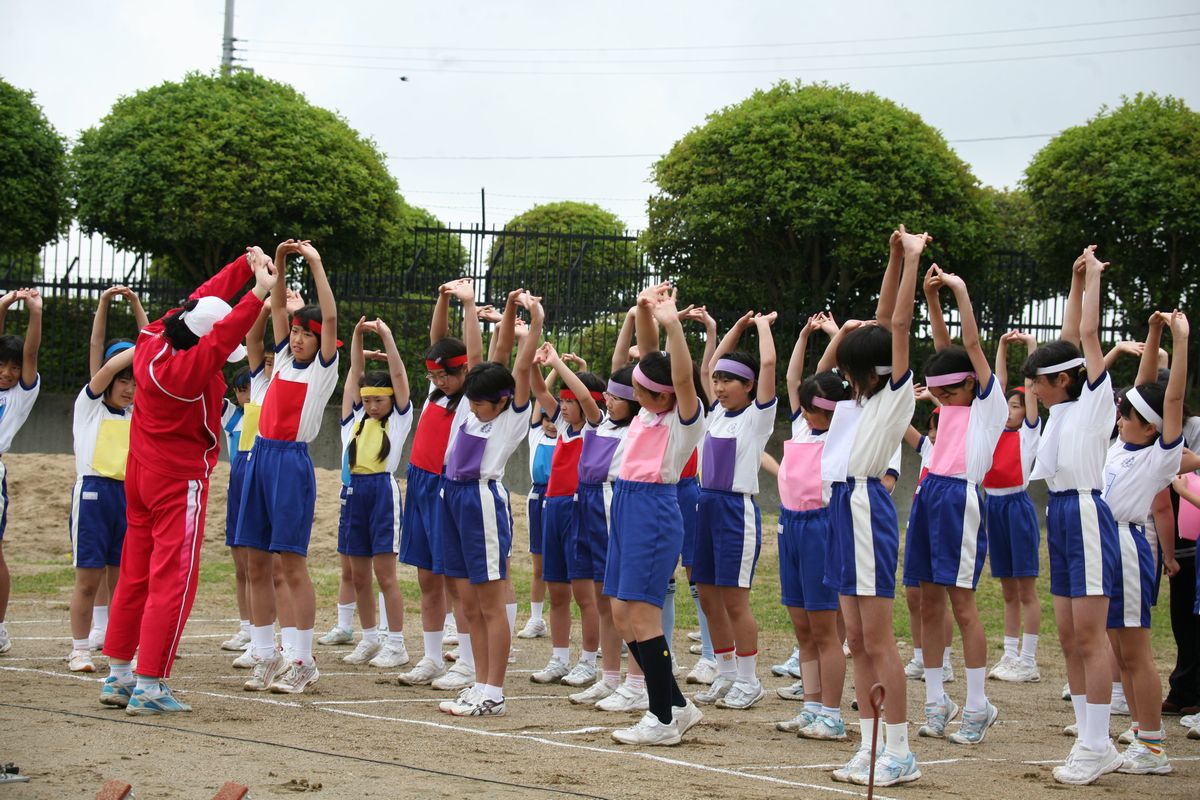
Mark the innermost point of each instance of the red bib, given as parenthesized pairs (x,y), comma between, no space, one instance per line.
(281,409)
(689,469)
(1006,471)
(432,437)
(564,468)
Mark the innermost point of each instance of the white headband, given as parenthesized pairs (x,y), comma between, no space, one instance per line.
(1137,401)
(885,369)
(1068,364)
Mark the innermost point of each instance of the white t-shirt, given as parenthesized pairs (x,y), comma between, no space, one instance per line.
(658,446)
(480,450)
(603,451)
(733,446)
(967,435)
(232,416)
(370,438)
(101,437)
(1191,433)
(1134,474)
(15,405)
(1073,446)
(863,439)
(296,397)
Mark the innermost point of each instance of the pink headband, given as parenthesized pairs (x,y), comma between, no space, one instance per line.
(641,378)
(949,379)
(824,403)
(734,368)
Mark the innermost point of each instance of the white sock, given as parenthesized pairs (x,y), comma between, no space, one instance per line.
(613,678)
(511,610)
(1095,732)
(81,644)
(588,657)
(919,656)
(493,693)
(1118,691)
(449,620)
(121,670)
(383,620)
(935,691)
(832,713)
(1079,705)
(466,653)
(262,639)
(148,685)
(1029,642)
(346,615)
(976,694)
(287,637)
(563,654)
(747,667)
(535,610)
(370,634)
(244,626)
(636,682)
(100,617)
(946,656)
(303,645)
(1010,647)
(812,706)
(396,639)
(897,740)
(726,664)
(866,727)
(433,645)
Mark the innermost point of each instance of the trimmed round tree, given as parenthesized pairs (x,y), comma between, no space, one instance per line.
(34,207)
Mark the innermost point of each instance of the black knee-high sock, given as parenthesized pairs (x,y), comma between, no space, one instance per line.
(633,653)
(660,681)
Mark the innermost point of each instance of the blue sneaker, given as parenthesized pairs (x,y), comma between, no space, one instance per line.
(937,717)
(890,770)
(115,693)
(825,728)
(974,725)
(143,704)
(789,668)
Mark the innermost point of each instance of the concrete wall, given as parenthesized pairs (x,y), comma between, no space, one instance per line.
(48,430)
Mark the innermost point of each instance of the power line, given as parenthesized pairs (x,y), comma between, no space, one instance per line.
(811,43)
(407,190)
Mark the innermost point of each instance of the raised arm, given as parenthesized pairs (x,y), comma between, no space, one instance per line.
(1001,368)
(109,370)
(439,326)
(933,286)
(766,357)
(358,364)
(729,341)
(1089,324)
(710,349)
(1074,310)
(1173,397)
(620,356)
(543,395)
(829,357)
(472,333)
(99,331)
(255,347)
(970,330)
(687,404)
(6,300)
(33,338)
(890,287)
(281,326)
(232,277)
(325,300)
(644,323)
(506,333)
(591,409)
(1148,366)
(525,351)
(135,304)
(395,364)
(795,368)
(901,322)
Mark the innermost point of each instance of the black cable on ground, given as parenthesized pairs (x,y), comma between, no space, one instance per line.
(307,750)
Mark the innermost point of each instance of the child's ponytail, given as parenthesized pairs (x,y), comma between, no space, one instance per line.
(377,379)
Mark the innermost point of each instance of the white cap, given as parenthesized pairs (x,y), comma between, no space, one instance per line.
(200,321)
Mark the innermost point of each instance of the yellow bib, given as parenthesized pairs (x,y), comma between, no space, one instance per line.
(369,440)
(112,448)
(250,413)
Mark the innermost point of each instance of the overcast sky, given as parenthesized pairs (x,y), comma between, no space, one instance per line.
(611,79)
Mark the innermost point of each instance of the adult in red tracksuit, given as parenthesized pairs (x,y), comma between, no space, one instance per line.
(174,442)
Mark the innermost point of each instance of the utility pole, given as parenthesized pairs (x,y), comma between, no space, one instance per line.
(227,44)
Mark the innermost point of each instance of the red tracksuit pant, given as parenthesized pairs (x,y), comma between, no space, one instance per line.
(160,566)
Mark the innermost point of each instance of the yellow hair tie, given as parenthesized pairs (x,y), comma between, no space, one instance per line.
(376,391)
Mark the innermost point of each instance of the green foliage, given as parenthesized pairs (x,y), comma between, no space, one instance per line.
(33,175)
(1128,181)
(439,257)
(195,170)
(786,200)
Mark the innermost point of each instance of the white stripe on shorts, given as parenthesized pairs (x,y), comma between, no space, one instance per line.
(746,569)
(607,490)
(1131,575)
(969,549)
(397,513)
(489,508)
(1089,534)
(75,497)
(864,539)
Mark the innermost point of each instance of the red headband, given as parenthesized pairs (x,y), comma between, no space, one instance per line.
(454,362)
(567,394)
(312,325)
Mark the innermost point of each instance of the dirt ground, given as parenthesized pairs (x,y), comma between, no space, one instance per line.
(357,733)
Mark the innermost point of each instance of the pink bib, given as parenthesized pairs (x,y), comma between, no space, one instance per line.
(950,450)
(645,451)
(1189,515)
(800,486)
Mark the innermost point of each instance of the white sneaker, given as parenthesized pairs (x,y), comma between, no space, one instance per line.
(465,699)
(1020,672)
(425,672)
(742,694)
(695,636)
(5,642)
(534,629)
(676,670)
(96,638)
(859,764)
(450,655)
(1001,668)
(649,731)
(482,707)
(686,717)
(1071,730)
(554,672)
(457,677)
(336,635)
(1120,708)
(793,725)
(266,670)
(1066,692)
(914,670)
(512,655)
(450,632)
(1129,736)
(793,692)
(390,656)
(705,672)
(696,649)
(581,674)
(1084,766)
(593,694)
(236,642)
(80,661)
(719,688)
(625,698)
(789,668)
(1194,733)
(363,652)
(245,660)
(947,673)
(1138,760)
(298,677)
(1190,721)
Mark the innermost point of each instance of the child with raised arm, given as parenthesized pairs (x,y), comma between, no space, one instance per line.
(863,437)
(376,419)
(729,535)
(19,387)
(1081,534)
(541,439)
(946,540)
(1014,534)
(1139,465)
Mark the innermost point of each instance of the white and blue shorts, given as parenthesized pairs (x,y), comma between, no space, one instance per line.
(728,539)
(1014,535)
(803,543)
(1133,591)
(534,515)
(688,492)
(373,515)
(558,540)
(946,542)
(420,535)
(593,510)
(97,522)
(1082,539)
(233,499)
(278,498)
(476,530)
(644,541)
(864,541)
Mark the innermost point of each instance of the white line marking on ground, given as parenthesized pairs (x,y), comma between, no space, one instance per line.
(247,699)
(595,729)
(54,674)
(507,698)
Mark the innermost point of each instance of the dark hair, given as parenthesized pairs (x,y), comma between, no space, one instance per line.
(1015,391)
(1153,393)
(125,374)
(860,352)
(1056,352)
(487,380)
(240,378)
(443,349)
(624,376)
(176,331)
(12,348)
(1164,375)
(828,385)
(379,378)
(741,358)
(949,360)
(310,313)
(657,367)
(592,381)
(934,416)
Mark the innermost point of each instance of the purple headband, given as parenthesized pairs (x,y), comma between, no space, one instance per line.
(498,396)
(824,403)
(734,368)
(640,377)
(949,379)
(620,390)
